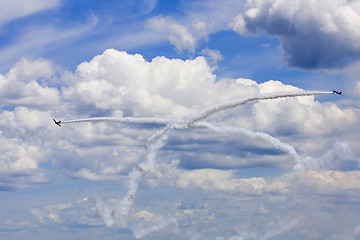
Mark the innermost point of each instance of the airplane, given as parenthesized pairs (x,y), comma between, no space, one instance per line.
(340,93)
(57,122)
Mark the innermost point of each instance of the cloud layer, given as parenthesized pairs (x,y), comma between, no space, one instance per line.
(118,84)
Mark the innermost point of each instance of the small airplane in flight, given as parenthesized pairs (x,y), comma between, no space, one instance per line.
(340,93)
(57,122)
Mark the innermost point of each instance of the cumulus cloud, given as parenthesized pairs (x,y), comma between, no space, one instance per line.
(28,83)
(70,214)
(26,94)
(129,84)
(313,34)
(19,163)
(21,157)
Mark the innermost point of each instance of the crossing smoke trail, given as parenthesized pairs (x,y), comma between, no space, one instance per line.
(119,212)
(202,115)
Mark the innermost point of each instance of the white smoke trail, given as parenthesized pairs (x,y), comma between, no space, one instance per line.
(119,211)
(155,142)
(144,120)
(276,143)
(236,102)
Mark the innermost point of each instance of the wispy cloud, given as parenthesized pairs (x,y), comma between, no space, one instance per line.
(177,34)
(10,10)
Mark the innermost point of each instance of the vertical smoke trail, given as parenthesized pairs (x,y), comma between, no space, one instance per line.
(119,212)
(155,142)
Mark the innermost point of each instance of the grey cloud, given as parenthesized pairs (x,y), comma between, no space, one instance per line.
(313,34)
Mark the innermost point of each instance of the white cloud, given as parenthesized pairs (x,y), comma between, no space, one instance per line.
(19,163)
(69,214)
(178,34)
(23,147)
(26,84)
(212,179)
(212,56)
(140,87)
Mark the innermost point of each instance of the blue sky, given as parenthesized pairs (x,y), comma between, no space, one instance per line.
(271,169)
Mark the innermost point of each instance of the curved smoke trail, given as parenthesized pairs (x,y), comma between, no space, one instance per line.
(119,211)
(236,102)
(276,143)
